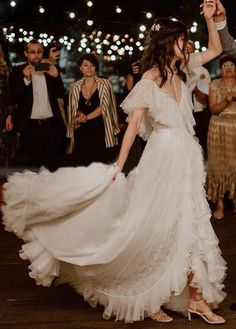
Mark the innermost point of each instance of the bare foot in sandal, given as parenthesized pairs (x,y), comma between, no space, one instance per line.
(160,316)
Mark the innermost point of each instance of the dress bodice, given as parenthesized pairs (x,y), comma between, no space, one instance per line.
(221,89)
(162,109)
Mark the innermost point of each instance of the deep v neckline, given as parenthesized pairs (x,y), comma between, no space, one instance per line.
(87,99)
(166,92)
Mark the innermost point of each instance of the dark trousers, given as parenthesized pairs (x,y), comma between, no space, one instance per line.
(42,144)
(201,129)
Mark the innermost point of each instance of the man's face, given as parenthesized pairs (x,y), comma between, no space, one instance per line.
(34,53)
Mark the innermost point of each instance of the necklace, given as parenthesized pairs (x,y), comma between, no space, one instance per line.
(88,93)
(176,90)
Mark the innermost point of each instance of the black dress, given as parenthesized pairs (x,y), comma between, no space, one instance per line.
(90,136)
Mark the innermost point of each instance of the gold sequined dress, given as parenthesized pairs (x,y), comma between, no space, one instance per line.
(221,144)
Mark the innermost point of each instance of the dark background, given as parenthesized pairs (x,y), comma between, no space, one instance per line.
(56,21)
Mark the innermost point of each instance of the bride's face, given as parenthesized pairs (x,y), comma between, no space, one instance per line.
(179,48)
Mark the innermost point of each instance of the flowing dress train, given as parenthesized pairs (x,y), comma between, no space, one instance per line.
(127,244)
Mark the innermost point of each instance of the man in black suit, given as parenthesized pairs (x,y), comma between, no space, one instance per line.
(37,92)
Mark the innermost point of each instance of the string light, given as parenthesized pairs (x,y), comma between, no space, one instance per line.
(113,46)
(89,22)
(193,29)
(142,28)
(197,44)
(41,10)
(118,10)
(12,3)
(89,3)
(72,15)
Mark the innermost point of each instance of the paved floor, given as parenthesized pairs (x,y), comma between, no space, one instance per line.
(23,305)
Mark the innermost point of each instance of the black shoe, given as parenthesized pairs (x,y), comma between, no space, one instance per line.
(233,306)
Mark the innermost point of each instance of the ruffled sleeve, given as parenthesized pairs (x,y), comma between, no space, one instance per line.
(141,96)
(195,60)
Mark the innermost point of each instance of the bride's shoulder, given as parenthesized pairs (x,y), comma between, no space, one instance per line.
(152,74)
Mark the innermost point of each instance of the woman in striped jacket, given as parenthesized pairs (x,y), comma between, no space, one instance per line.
(92,116)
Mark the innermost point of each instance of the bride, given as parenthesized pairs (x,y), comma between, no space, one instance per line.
(132,244)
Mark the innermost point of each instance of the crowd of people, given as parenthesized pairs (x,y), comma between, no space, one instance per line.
(120,240)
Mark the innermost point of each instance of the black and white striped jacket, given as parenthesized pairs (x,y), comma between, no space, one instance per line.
(107,103)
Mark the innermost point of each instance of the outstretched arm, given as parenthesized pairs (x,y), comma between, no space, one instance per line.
(214,45)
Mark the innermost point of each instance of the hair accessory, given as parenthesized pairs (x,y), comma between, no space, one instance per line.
(156,27)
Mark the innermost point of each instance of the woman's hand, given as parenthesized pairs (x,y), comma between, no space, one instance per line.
(117,170)
(209,9)
(214,48)
(80,118)
(230,97)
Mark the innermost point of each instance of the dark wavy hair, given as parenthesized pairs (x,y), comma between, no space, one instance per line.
(90,57)
(226,58)
(159,51)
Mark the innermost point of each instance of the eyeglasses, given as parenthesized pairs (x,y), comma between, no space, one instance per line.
(228,66)
(35,52)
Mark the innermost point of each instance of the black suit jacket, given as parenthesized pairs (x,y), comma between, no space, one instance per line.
(22,98)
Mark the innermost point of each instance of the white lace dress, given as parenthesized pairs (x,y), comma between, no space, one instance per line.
(127,244)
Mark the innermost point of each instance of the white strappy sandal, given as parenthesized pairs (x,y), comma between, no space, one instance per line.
(204,315)
(160,316)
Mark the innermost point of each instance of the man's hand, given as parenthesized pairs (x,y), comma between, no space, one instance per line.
(54,55)
(53,71)
(27,71)
(135,68)
(220,14)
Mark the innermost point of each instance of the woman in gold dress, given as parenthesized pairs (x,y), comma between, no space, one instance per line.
(221,173)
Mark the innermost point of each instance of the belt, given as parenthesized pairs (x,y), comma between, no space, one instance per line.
(41,121)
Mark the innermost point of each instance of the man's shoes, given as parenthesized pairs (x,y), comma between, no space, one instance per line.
(233,306)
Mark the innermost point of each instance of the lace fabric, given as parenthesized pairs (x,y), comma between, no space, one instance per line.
(161,107)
